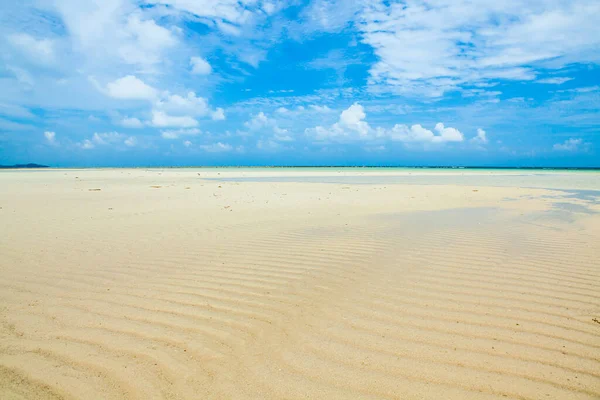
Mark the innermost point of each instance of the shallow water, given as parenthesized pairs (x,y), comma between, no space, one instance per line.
(579,184)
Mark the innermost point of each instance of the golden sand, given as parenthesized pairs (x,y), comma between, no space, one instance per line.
(150,284)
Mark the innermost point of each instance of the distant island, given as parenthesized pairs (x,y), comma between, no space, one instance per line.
(30,165)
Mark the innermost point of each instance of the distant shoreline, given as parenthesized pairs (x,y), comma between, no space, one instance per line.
(23,166)
(39,166)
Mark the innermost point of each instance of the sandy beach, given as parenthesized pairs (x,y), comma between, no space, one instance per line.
(299,284)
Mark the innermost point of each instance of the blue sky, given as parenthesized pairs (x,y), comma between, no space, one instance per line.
(300,82)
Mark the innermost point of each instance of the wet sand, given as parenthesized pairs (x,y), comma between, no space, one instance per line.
(290,284)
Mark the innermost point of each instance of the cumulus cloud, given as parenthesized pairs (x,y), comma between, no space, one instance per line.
(144,41)
(481,137)
(176,133)
(571,144)
(419,134)
(352,125)
(162,120)
(320,109)
(86,144)
(130,88)
(200,66)
(298,110)
(353,119)
(218,114)
(261,123)
(188,105)
(130,141)
(216,147)
(50,137)
(106,137)
(114,32)
(131,123)
(269,145)
(168,110)
(258,121)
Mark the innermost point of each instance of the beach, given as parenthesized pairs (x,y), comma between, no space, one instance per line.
(224,283)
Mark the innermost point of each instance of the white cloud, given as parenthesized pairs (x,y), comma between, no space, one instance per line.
(235,12)
(187,143)
(86,144)
(351,124)
(431,47)
(419,134)
(329,15)
(131,123)
(50,137)
(130,141)
(353,119)
(190,104)
(295,111)
(258,121)
(144,41)
(113,32)
(585,89)
(176,133)
(217,147)
(263,124)
(162,120)
(37,50)
(106,138)
(320,109)
(481,137)
(15,111)
(269,145)
(554,81)
(281,91)
(571,144)
(218,114)
(168,110)
(448,134)
(131,88)
(6,125)
(200,66)
(228,29)
(173,110)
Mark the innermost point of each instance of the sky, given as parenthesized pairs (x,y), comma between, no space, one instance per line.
(300,82)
